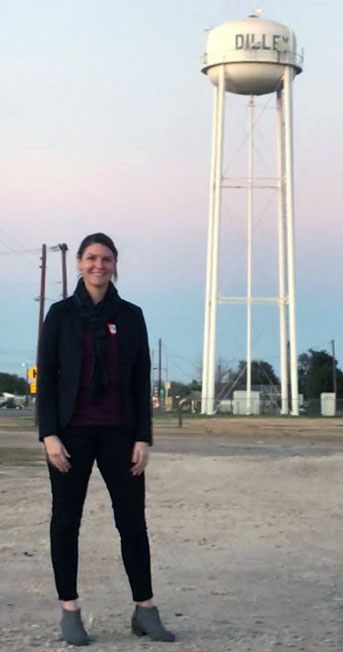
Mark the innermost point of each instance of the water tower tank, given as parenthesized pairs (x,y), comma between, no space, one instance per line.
(254,53)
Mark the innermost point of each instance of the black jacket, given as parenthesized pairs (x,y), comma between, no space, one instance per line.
(60,360)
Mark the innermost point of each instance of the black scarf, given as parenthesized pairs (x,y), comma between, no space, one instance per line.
(97,317)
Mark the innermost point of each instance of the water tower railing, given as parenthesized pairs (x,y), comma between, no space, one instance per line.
(252,55)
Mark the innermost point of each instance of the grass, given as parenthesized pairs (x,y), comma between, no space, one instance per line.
(17,423)
(20,457)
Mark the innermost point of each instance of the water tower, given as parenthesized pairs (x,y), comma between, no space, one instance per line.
(253,57)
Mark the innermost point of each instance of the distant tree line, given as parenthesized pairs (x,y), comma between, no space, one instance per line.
(315,372)
(262,373)
(12,384)
(315,375)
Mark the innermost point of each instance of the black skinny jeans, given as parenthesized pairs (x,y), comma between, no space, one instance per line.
(111,448)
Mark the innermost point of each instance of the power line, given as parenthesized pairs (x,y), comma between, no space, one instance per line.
(20,244)
(19,251)
(23,352)
(17,284)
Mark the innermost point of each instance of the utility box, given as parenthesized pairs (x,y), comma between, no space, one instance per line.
(240,403)
(225,406)
(328,404)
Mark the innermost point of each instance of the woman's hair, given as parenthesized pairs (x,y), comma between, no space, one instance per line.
(97,238)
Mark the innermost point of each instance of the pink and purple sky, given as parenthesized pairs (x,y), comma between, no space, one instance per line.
(106,125)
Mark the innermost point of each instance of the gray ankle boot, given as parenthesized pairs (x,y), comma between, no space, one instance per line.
(146,620)
(72,628)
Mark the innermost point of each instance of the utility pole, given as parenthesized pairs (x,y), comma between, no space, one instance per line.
(63,247)
(334,370)
(41,296)
(159,370)
(289,378)
(152,371)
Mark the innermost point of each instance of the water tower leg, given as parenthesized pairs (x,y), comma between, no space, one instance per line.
(249,251)
(205,364)
(282,254)
(287,82)
(215,244)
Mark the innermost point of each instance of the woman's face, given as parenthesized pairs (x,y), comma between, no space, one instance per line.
(97,265)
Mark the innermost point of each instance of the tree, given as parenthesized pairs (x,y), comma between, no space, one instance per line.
(262,373)
(12,384)
(195,385)
(315,372)
(179,389)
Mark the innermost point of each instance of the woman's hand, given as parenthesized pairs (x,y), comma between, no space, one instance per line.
(140,456)
(57,454)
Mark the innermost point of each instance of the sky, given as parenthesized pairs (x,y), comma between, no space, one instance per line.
(106,126)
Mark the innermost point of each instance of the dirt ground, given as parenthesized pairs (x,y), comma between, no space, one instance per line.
(245,522)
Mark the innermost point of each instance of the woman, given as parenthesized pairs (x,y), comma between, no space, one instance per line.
(94,404)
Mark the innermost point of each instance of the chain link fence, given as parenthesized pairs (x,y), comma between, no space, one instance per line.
(314,407)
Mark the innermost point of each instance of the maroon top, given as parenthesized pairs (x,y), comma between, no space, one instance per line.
(109,411)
